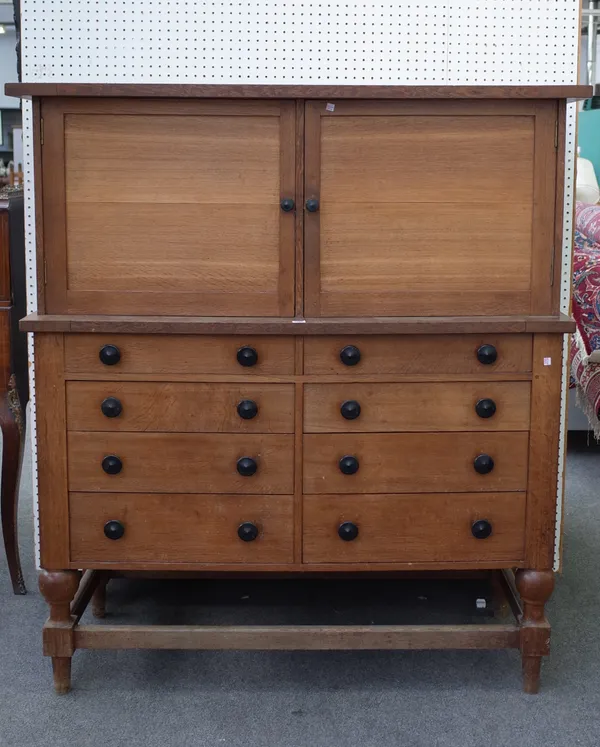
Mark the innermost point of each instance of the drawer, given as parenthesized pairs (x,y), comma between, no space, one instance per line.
(180,354)
(449,406)
(413,528)
(415,463)
(426,354)
(180,463)
(181,528)
(180,407)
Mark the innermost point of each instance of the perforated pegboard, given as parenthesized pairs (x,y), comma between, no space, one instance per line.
(302,41)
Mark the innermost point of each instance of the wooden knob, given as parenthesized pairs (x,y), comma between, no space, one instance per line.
(350,409)
(483,464)
(247,409)
(487,354)
(110,355)
(248,531)
(348,531)
(348,465)
(485,408)
(114,530)
(112,465)
(350,355)
(481,529)
(246,466)
(111,407)
(247,356)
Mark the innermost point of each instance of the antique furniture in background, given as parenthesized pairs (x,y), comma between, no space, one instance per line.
(290,356)
(15,376)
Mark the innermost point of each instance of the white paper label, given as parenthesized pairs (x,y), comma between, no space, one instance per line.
(330,107)
(547,361)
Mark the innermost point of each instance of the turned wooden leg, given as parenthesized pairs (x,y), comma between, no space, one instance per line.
(12,456)
(58,589)
(535,588)
(99,598)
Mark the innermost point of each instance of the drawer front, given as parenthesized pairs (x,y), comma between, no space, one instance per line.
(449,406)
(180,463)
(180,407)
(413,528)
(415,463)
(180,354)
(427,354)
(181,528)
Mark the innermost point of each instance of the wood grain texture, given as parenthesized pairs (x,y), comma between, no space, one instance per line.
(543,450)
(297,638)
(414,462)
(53,208)
(103,324)
(186,90)
(52,451)
(422,225)
(416,407)
(181,462)
(178,354)
(544,198)
(299,212)
(180,239)
(402,355)
(414,527)
(181,528)
(5,292)
(180,407)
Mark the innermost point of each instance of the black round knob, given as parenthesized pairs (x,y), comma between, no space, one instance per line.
(350,409)
(348,531)
(247,356)
(111,407)
(487,354)
(481,529)
(112,465)
(110,354)
(350,355)
(114,530)
(247,409)
(287,204)
(348,465)
(312,205)
(247,531)
(483,464)
(485,408)
(246,466)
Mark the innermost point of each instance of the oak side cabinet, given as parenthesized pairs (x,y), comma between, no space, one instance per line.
(289,329)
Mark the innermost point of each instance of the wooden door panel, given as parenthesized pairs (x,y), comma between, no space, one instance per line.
(170,211)
(396,259)
(429,210)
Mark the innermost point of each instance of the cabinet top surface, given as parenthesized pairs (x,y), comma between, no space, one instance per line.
(162,90)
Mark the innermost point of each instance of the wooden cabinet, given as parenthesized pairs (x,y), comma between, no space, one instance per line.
(430,208)
(169,207)
(299,330)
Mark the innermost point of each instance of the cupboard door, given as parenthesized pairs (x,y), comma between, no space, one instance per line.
(169,207)
(439,208)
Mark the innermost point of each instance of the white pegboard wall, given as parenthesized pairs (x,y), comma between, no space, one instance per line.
(30,267)
(300,41)
(402,42)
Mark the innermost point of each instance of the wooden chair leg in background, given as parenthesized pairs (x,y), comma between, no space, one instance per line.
(99,598)
(535,588)
(58,589)
(11,422)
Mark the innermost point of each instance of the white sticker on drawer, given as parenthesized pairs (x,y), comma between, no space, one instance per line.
(547,361)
